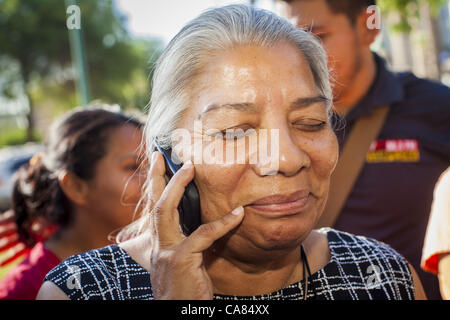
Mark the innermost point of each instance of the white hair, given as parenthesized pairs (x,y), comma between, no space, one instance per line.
(213,31)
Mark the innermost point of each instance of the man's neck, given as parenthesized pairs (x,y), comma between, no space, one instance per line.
(358,87)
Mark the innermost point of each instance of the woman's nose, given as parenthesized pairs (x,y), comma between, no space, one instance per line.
(285,156)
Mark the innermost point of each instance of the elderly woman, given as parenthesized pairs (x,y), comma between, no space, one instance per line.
(232,68)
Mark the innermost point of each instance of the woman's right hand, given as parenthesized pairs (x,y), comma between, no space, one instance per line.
(9,239)
(177,269)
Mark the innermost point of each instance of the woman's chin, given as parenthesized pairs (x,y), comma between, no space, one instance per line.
(277,233)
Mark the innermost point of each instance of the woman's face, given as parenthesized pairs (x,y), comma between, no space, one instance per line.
(116,187)
(251,87)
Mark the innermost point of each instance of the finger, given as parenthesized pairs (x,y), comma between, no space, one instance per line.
(166,215)
(156,186)
(7,229)
(13,254)
(157,173)
(205,235)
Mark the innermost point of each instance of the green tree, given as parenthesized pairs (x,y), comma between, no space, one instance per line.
(33,33)
(408,10)
(420,14)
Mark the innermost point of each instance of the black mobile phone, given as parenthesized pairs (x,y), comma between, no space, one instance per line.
(189,206)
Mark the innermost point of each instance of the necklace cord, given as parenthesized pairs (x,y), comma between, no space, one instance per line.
(305,263)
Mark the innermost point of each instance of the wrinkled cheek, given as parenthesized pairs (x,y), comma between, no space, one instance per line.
(325,155)
(217,185)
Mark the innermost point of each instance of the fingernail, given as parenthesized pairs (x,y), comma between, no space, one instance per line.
(154,156)
(187,164)
(238,211)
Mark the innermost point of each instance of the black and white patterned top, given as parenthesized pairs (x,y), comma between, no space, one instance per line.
(359,268)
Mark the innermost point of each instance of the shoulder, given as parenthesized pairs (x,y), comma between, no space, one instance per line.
(95,274)
(421,86)
(344,243)
(93,261)
(443,185)
(374,263)
(423,94)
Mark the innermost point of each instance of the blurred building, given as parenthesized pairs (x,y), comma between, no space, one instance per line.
(426,49)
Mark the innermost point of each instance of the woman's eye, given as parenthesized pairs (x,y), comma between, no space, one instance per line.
(232,134)
(309,124)
(322,35)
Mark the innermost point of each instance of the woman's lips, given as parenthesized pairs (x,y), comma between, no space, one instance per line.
(281,204)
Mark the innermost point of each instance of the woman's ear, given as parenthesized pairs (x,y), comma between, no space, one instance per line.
(74,188)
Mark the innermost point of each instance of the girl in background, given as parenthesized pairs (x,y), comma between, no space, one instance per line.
(70,198)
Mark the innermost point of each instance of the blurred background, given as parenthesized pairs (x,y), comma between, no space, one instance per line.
(59,54)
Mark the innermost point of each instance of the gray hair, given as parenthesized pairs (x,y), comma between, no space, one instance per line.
(216,30)
(213,31)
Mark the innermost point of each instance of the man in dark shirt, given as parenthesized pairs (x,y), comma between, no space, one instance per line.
(391,198)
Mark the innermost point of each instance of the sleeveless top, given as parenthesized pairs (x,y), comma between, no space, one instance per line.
(359,268)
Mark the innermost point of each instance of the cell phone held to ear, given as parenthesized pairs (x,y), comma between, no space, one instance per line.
(189,206)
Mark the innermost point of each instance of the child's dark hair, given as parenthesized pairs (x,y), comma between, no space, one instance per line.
(75,143)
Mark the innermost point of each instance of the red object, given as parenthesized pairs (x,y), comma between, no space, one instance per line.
(395,145)
(16,255)
(437,238)
(24,280)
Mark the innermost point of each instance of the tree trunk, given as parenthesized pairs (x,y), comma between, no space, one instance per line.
(30,116)
(431,47)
